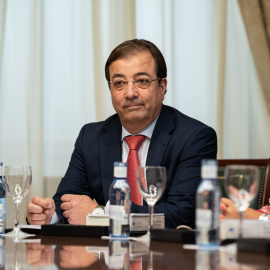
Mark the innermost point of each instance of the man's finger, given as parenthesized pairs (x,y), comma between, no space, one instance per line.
(65,206)
(34,208)
(67,197)
(66,214)
(37,217)
(47,211)
(44,203)
(37,222)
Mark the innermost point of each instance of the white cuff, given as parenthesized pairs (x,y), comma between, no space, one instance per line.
(55,218)
(107,207)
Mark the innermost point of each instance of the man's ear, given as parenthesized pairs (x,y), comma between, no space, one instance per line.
(163,87)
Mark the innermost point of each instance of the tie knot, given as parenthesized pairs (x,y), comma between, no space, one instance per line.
(134,142)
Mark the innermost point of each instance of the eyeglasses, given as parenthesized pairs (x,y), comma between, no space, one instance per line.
(120,84)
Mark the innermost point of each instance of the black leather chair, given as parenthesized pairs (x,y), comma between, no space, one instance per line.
(264,169)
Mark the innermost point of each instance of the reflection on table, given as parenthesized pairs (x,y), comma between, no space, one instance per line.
(49,252)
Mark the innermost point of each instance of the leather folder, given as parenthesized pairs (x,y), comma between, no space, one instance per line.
(74,230)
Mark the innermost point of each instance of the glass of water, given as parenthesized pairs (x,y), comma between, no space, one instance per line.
(241,183)
(17,181)
(152,182)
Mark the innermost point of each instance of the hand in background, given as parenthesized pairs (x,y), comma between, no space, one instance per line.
(40,210)
(228,210)
(76,208)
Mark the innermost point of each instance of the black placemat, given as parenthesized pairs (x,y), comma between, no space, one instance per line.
(182,236)
(74,230)
(260,246)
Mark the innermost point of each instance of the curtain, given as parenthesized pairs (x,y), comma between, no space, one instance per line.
(245,123)
(189,47)
(52,80)
(21,91)
(52,57)
(256,16)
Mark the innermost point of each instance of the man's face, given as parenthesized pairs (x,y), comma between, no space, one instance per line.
(137,108)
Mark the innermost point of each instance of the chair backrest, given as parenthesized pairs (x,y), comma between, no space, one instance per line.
(264,186)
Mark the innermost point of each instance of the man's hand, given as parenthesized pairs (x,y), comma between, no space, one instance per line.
(40,210)
(76,208)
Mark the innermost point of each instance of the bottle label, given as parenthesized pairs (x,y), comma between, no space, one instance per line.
(118,219)
(120,172)
(209,172)
(203,217)
(117,212)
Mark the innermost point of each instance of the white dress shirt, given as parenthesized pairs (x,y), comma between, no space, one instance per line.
(143,150)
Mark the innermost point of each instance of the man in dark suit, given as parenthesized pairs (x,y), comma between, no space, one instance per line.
(136,73)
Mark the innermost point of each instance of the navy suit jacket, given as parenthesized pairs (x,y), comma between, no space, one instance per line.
(178,142)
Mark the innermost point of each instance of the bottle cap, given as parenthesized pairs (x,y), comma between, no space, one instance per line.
(120,170)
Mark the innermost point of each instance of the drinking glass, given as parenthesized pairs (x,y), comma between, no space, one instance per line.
(242,187)
(17,181)
(152,182)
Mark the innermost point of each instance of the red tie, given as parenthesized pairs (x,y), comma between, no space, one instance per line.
(134,143)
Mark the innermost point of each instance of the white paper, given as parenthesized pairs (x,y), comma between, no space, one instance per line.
(26,226)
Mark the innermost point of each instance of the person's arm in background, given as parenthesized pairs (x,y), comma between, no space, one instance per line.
(229,211)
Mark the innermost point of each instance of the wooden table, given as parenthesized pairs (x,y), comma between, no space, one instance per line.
(50,252)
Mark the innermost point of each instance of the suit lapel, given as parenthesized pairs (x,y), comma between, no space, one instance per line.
(160,138)
(110,152)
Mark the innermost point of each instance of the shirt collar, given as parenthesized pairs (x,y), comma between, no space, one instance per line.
(146,132)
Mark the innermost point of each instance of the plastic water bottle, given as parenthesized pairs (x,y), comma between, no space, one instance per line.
(2,203)
(119,196)
(208,207)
